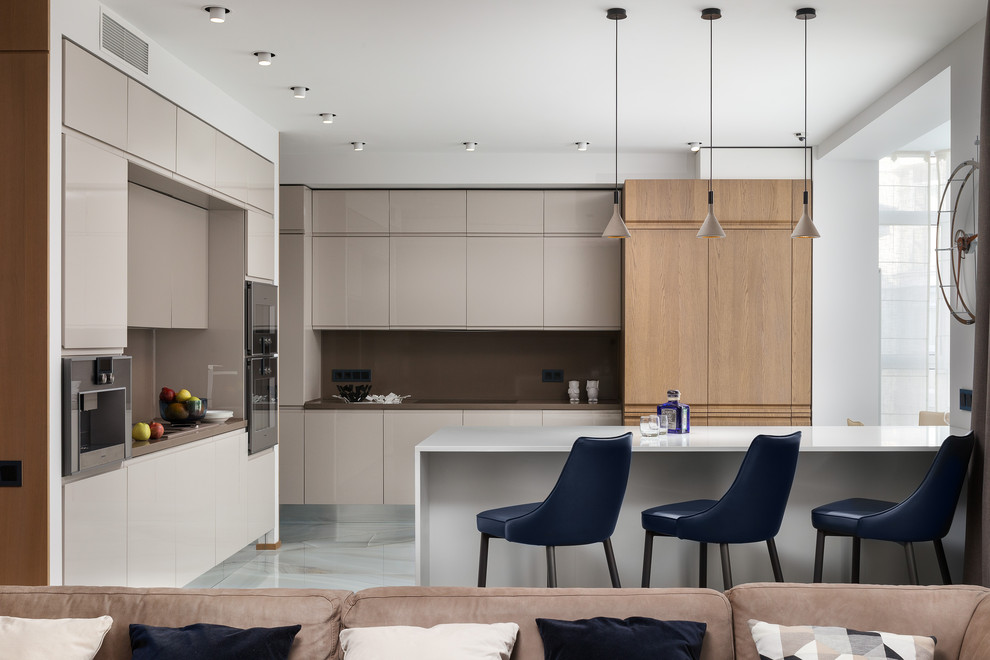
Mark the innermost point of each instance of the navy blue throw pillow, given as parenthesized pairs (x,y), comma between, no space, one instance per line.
(635,638)
(208,641)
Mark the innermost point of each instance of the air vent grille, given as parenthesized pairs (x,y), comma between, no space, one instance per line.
(124,44)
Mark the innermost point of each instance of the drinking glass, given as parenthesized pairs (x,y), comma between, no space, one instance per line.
(649,426)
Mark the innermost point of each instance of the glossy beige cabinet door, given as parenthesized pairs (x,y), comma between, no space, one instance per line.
(151,522)
(350,282)
(505,211)
(428,211)
(261,183)
(150,125)
(190,274)
(95,530)
(582,283)
(262,494)
(404,429)
(233,169)
(261,240)
(196,149)
(94,97)
(343,457)
(583,417)
(427,284)
(295,210)
(505,282)
(577,211)
(231,494)
(350,212)
(94,240)
(195,511)
(291,455)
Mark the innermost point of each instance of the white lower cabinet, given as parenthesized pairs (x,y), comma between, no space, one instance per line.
(232,485)
(195,512)
(151,507)
(291,455)
(94,512)
(262,493)
(582,418)
(343,457)
(404,429)
(503,418)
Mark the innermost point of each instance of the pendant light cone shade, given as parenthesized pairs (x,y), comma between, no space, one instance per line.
(710,228)
(805,227)
(616,228)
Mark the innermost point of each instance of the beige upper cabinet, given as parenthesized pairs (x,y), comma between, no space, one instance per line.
(582,282)
(295,210)
(505,282)
(261,240)
(577,211)
(94,240)
(428,211)
(196,149)
(350,212)
(94,97)
(150,125)
(427,284)
(261,183)
(350,282)
(505,211)
(233,167)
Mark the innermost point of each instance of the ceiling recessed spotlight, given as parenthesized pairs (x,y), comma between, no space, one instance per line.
(695,146)
(299,92)
(264,57)
(582,146)
(217,14)
(358,146)
(327,117)
(470,146)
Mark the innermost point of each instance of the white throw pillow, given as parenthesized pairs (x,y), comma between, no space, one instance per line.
(446,641)
(42,639)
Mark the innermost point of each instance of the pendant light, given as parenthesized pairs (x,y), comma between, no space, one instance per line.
(616,228)
(710,228)
(805,228)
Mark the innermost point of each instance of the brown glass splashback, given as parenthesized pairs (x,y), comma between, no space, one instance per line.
(474,365)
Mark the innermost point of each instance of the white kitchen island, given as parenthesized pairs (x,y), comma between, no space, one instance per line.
(462,471)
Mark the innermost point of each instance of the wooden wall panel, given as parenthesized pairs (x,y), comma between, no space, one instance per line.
(666,276)
(24,436)
(750,318)
(24,25)
(801,297)
(665,201)
(753,202)
(683,203)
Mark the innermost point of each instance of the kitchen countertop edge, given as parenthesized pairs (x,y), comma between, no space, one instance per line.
(412,404)
(178,438)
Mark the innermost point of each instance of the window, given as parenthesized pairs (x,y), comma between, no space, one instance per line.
(914,324)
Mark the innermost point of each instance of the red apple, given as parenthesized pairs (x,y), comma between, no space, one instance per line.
(157,430)
(167,395)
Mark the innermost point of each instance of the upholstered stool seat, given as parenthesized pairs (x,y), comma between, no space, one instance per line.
(663,519)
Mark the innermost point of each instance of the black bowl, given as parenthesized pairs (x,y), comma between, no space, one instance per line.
(354,393)
(186,412)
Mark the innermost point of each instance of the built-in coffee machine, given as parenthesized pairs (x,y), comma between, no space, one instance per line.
(96,411)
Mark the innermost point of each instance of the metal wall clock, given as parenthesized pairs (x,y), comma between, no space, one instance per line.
(956,241)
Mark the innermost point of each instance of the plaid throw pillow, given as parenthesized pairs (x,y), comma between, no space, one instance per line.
(774,642)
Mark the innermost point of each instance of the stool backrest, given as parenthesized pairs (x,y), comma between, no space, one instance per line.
(584,505)
(753,507)
(927,513)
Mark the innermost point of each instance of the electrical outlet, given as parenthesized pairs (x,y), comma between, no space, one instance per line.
(965,399)
(553,375)
(10,473)
(352,375)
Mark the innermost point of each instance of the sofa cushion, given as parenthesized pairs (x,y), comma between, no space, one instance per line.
(634,638)
(942,612)
(208,641)
(976,642)
(428,606)
(317,610)
(445,641)
(40,639)
(774,642)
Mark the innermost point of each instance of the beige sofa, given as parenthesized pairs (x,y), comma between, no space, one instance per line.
(958,616)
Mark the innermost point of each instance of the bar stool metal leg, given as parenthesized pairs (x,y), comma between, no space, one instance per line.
(943,565)
(855,560)
(483,560)
(819,556)
(726,569)
(551,566)
(778,575)
(911,562)
(647,559)
(613,571)
(703,566)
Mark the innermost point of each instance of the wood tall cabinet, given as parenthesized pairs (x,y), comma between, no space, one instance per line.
(725,321)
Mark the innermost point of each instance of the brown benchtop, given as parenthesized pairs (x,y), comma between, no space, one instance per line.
(181,435)
(461,404)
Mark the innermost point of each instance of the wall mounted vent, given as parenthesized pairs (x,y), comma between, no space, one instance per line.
(122,42)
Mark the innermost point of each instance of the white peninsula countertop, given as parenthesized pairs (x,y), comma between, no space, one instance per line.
(461,471)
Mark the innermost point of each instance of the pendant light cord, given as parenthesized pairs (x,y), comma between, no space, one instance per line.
(805,152)
(616,112)
(711,103)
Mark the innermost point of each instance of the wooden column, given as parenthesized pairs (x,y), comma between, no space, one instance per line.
(24,288)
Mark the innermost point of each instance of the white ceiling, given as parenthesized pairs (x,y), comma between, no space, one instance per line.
(537,76)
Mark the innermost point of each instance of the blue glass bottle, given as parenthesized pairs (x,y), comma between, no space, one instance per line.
(678,414)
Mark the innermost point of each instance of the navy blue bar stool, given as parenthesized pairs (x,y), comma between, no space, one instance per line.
(750,511)
(925,515)
(581,509)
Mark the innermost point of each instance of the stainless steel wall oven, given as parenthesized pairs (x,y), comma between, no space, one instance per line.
(261,343)
(96,411)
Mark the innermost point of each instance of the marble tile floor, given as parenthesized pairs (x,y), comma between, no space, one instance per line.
(328,547)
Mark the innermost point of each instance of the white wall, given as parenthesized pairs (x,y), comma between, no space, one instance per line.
(79,20)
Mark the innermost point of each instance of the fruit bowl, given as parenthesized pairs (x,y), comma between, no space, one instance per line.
(185,412)
(353,393)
